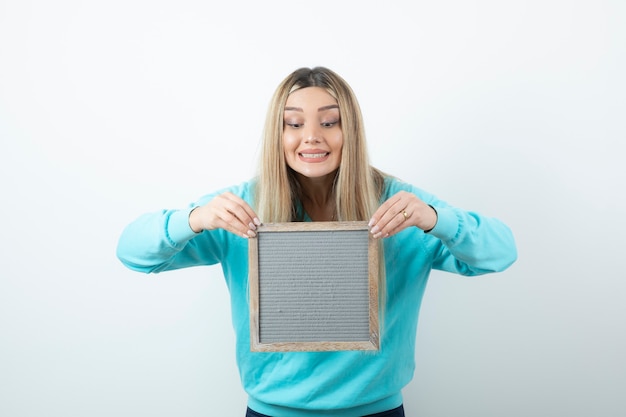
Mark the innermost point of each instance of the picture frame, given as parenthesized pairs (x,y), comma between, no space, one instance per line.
(313,286)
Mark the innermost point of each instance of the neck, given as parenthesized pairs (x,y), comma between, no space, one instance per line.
(318,197)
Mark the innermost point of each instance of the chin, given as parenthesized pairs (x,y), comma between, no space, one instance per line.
(315,174)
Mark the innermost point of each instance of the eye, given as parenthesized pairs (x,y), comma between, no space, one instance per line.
(330,123)
(293,125)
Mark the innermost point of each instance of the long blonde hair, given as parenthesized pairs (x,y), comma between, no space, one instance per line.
(357,186)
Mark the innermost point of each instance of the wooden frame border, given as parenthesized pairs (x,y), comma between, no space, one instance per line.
(373,277)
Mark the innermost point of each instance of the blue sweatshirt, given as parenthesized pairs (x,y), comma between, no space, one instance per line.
(345,383)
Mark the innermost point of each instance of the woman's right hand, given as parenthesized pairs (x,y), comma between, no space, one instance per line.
(226,211)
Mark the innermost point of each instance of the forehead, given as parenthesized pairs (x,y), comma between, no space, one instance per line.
(310,98)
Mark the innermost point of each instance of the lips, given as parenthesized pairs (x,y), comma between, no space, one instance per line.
(313,155)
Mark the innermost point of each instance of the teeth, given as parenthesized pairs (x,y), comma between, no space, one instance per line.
(314,155)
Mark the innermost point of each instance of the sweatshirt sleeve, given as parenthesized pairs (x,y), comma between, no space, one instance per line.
(471,244)
(463,242)
(163,240)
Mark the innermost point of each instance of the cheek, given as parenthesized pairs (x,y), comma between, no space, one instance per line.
(289,142)
(289,148)
(337,142)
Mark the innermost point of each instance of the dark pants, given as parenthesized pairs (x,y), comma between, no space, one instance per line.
(396,412)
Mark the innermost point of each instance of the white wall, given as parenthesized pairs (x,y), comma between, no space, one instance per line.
(110,109)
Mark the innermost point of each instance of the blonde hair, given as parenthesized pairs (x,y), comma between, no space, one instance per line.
(357,186)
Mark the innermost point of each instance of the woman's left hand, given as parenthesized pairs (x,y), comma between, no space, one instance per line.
(400,211)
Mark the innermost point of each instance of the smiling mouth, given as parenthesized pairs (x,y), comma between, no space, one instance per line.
(314,155)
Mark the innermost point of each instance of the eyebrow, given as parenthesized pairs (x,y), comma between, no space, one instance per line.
(323,108)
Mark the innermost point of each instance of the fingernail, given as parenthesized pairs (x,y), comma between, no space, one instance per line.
(377,235)
(257,221)
(251,233)
(370,223)
(252,226)
(374,230)
(245,236)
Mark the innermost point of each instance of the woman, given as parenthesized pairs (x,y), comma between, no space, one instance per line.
(314,167)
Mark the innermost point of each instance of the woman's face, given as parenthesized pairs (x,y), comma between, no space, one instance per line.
(312,137)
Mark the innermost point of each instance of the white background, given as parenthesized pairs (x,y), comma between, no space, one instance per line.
(109,109)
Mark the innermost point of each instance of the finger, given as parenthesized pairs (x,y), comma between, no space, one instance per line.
(388,216)
(243,211)
(227,214)
(236,207)
(399,223)
(231,223)
(392,206)
(383,209)
(394,224)
(393,215)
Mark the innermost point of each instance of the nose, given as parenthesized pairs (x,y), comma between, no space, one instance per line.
(312,134)
(312,139)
